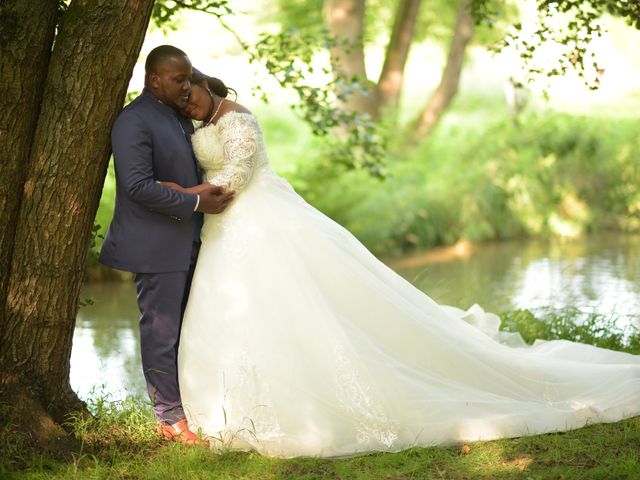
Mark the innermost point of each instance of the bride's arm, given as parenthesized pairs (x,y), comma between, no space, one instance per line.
(239,141)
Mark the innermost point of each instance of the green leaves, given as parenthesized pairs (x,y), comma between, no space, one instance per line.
(627,9)
(164,10)
(573,324)
(559,40)
(298,60)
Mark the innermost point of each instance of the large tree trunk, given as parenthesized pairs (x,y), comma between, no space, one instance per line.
(448,86)
(26,36)
(97,45)
(345,19)
(392,76)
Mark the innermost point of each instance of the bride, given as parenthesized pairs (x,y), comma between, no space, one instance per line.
(297,341)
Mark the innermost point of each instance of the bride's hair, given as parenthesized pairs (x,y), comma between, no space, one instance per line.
(216,85)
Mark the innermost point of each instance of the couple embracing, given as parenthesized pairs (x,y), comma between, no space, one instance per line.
(266,326)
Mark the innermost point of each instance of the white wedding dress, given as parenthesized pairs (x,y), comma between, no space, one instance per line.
(298,342)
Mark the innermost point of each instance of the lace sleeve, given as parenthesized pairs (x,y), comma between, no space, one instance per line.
(239,143)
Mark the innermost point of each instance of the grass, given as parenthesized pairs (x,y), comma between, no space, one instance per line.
(612,331)
(125,449)
(119,441)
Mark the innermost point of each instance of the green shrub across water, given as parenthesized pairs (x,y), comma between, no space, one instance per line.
(554,174)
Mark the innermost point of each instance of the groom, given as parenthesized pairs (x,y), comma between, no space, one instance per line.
(155,231)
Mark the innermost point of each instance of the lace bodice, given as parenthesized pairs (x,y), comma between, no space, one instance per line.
(230,151)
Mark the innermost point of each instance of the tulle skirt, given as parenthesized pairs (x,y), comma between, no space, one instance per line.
(297,341)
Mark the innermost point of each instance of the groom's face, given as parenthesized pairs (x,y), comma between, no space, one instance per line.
(171,82)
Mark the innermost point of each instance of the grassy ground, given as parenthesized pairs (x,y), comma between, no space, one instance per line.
(119,441)
(129,452)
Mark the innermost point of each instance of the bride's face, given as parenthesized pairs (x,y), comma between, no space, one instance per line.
(199,105)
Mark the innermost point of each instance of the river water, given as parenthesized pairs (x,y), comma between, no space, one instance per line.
(599,273)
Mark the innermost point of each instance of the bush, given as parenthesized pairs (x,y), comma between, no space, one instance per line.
(555,174)
(593,328)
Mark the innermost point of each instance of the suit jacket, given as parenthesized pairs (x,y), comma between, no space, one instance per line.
(153,227)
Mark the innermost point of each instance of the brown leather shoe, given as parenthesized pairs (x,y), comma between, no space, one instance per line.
(179,432)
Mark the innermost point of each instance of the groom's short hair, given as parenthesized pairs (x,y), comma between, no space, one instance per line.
(158,56)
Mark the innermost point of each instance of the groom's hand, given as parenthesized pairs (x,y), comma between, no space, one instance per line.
(214,200)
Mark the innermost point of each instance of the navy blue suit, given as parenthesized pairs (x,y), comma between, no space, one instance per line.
(152,226)
(154,233)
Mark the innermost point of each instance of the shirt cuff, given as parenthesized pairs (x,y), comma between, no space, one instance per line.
(197,203)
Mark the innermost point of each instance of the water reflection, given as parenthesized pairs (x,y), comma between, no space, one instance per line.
(106,343)
(600,273)
(597,274)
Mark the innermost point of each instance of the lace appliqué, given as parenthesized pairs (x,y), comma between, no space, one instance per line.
(247,406)
(235,239)
(231,150)
(239,142)
(372,425)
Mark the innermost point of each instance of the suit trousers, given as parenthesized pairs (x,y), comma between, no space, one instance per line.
(162,298)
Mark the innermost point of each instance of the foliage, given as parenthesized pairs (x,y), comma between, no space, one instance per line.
(129,423)
(62,7)
(627,9)
(164,11)
(559,41)
(593,328)
(291,57)
(95,240)
(14,443)
(435,19)
(572,39)
(571,35)
(298,14)
(556,174)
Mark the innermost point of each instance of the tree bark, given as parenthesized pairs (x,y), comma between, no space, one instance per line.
(26,35)
(345,19)
(450,80)
(97,45)
(392,76)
